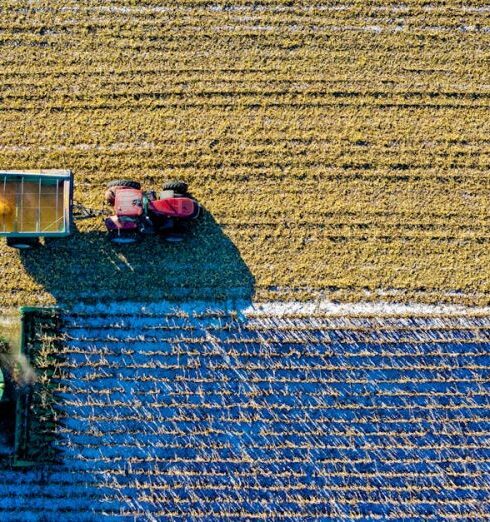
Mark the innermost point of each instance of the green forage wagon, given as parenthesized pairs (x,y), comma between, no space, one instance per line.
(35,204)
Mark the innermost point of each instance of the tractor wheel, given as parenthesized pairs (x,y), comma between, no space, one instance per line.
(125,183)
(180,187)
(174,237)
(123,237)
(22,243)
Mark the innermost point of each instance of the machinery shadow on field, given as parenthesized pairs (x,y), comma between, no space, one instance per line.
(87,267)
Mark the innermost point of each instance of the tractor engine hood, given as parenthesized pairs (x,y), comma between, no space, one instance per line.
(175,207)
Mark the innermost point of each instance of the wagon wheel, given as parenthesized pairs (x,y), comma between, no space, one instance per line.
(23,243)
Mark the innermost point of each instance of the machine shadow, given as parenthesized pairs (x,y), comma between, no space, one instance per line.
(87,267)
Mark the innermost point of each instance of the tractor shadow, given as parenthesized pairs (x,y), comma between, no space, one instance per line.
(87,267)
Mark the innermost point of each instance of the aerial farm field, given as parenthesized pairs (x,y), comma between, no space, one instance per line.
(318,348)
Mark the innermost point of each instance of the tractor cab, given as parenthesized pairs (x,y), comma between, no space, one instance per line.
(128,202)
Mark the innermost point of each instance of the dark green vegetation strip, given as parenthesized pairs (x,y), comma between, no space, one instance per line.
(36,413)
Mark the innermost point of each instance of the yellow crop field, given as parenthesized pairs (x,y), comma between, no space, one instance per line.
(340,149)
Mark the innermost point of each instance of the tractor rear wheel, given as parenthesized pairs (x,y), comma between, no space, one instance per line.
(22,243)
(127,183)
(123,237)
(110,196)
(174,237)
(180,187)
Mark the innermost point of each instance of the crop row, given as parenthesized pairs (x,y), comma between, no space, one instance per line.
(175,26)
(152,434)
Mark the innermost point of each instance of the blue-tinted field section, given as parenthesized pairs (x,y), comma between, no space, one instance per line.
(213,414)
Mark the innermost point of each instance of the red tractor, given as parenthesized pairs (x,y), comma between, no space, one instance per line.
(137,213)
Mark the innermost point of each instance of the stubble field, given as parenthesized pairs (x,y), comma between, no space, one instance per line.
(342,148)
(275,412)
(341,152)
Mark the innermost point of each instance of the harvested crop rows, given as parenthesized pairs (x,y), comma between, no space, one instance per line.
(341,147)
(341,151)
(271,412)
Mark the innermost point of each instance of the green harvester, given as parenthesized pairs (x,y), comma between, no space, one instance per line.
(27,414)
(35,204)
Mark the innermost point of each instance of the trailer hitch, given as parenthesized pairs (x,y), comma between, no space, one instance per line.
(80,211)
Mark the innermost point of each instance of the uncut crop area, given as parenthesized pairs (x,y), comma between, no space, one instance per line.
(342,147)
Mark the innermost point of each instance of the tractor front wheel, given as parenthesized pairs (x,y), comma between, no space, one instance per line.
(123,237)
(179,187)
